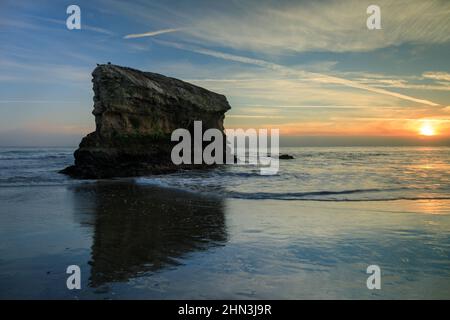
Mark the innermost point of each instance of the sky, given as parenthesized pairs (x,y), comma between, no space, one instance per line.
(310,68)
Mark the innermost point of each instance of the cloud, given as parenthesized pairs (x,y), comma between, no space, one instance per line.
(48,72)
(311,76)
(151,33)
(443,76)
(404,84)
(34,24)
(326,107)
(37,101)
(247,116)
(286,26)
(84,26)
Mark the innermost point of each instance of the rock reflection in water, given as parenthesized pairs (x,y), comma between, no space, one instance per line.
(141,229)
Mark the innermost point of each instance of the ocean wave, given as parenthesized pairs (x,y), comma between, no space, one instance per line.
(353,195)
(36,157)
(302,195)
(284,197)
(325,176)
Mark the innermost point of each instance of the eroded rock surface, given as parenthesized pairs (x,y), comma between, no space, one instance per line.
(135,114)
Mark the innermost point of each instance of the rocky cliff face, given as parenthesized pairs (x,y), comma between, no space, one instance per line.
(135,114)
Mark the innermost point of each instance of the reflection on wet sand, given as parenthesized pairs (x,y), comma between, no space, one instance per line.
(142,229)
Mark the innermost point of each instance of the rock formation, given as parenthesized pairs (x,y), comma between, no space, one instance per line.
(285,157)
(135,114)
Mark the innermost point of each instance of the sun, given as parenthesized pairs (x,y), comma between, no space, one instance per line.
(427,130)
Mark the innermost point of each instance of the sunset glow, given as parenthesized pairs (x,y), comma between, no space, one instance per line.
(427,130)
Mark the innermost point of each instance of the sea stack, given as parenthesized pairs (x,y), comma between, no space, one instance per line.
(135,115)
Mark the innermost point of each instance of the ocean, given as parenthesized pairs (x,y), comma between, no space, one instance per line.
(309,231)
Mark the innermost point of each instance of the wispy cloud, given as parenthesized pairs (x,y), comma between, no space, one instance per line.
(249,116)
(33,24)
(38,101)
(286,26)
(435,75)
(84,25)
(312,76)
(405,84)
(151,33)
(325,107)
(48,72)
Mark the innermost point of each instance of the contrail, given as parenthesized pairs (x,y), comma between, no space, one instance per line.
(313,76)
(150,33)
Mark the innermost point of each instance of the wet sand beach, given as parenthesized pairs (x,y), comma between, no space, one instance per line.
(135,241)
